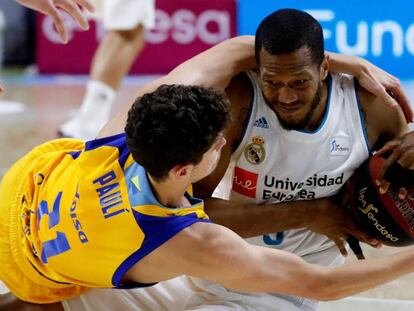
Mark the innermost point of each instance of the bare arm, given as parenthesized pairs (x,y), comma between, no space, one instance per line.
(322,216)
(388,125)
(373,79)
(219,64)
(212,68)
(217,254)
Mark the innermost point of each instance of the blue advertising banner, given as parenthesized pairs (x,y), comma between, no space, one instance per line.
(378,31)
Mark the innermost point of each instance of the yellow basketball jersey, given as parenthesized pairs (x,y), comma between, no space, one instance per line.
(90,214)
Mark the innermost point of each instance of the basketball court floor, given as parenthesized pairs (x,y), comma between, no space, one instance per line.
(32,108)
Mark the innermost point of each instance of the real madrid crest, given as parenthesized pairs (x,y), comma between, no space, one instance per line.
(255,152)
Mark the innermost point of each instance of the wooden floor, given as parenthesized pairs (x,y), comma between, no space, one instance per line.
(31,111)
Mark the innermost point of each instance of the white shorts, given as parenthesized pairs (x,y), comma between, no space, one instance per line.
(125,14)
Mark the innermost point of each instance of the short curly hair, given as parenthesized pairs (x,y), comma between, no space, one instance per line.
(173,125)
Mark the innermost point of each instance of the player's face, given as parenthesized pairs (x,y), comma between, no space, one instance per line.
(209,161)
(292,86)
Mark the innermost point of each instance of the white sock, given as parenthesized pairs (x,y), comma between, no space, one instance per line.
(97,103)
(93,113)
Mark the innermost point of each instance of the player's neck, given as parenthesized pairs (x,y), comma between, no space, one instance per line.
(169,193)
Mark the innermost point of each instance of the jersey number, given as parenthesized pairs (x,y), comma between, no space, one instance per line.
(274,239)
(60,244)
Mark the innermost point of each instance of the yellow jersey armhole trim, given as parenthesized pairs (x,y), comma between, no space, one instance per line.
(159,211)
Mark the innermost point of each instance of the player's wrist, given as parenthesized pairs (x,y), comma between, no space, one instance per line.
(358,67)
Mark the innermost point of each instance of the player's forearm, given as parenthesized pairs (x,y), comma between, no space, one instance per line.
(250,220)
(296,277)
(212,68)
(350,279)
(216,66)
(240,54)
(345,63)
(240,266)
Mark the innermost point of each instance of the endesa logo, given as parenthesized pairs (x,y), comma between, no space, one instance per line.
(245,182)
(184,26)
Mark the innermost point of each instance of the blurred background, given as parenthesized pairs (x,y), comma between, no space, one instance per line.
(45,80)
(381,33)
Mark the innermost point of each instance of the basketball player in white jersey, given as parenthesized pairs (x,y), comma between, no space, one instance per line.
(298,134)
(188,293)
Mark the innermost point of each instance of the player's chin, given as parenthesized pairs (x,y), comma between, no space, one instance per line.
(291,122)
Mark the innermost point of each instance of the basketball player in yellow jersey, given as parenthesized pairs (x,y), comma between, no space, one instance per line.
(114,212)
(78,215)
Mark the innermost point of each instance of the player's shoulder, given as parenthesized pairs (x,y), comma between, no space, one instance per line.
(382,120)
(240,91)
(376,107)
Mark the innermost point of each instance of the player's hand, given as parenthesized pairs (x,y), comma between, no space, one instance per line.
(385,85)
(337,223)
(401,157)
(72,7)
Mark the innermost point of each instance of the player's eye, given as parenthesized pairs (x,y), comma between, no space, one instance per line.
(273,84)
(301,82)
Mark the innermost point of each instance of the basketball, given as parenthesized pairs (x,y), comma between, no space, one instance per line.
(384,216)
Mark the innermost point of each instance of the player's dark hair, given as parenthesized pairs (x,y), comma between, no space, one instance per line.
(287,30)
(174,125)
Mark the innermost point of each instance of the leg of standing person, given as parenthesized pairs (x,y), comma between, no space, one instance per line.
(125,22)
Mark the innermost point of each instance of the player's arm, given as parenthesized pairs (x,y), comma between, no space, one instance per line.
(388,126)
(383,123)
(219,64)
(214,67)
(323,216)
(215,253)
(373,79)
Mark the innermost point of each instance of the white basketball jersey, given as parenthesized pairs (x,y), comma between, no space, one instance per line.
(274,165)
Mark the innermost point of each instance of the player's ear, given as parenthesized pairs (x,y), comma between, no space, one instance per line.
(180,172)
(324,69)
